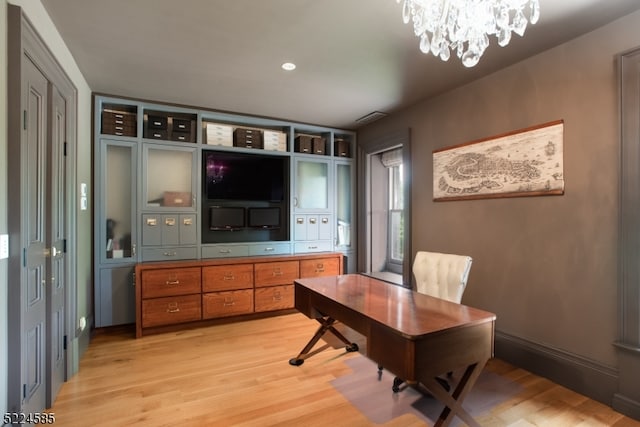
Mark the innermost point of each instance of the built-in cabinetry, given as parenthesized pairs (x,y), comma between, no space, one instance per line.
(171,295)
(174,183)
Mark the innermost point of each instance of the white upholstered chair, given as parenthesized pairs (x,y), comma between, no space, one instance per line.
(442,276)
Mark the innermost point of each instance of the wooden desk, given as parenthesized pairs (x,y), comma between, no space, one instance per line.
(414,336)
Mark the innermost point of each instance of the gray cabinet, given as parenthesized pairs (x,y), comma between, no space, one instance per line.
(152,200)
(115,241)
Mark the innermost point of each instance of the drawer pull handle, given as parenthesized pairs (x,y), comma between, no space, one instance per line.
(119,116)
(277,272)
(152,222)
(118,133)
(312,247)
(228,302)
(325,220)
(172,282)
(119,122)
(320,270)
(174,253)
(170,221)
(300,220)
(157,135)
(277,296)
(312,220)
(173,307)
(187,221)
(269,249)
(155,123)
(229,277)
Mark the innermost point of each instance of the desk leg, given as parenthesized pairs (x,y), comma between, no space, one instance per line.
(453,402)
(326,325)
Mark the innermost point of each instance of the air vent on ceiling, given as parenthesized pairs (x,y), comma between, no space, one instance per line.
(371,117)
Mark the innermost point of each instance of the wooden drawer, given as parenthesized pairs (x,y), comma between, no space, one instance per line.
(170,310)
(170,281)
(320,267)
(276,273)
(274,298)
(227,303)
(227,277)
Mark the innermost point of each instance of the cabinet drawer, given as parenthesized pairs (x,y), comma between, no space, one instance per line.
(227,277)
(276,273)
(317,246)
(225,251)
(274,298)
(269,249)
(227,303)
(319,267)
(170,310)
(170,281)
(169,254)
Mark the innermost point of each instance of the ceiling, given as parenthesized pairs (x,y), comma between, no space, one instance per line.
(353,57)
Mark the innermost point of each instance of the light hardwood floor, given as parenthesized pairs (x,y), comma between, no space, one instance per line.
(237,374)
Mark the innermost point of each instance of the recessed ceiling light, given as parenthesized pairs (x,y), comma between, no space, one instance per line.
(288,66)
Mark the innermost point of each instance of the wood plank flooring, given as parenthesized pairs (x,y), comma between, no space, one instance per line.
(237,374)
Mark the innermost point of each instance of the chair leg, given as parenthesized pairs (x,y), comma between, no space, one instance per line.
(397,382)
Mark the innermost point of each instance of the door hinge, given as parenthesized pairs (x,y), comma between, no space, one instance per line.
(24,257)
(64,150)
(24,119)
(24,391)
(64,343)
(64,246)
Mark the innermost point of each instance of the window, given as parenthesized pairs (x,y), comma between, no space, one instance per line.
(396,217)
(392,160)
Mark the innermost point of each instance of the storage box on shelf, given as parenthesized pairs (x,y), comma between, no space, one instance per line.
(342,147)
(311,144)
(119,120)
(169,126)
(171,295)
(247,138)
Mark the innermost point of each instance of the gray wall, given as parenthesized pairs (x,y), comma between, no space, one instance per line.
(547,266)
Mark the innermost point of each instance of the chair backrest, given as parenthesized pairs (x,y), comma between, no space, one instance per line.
(441,275)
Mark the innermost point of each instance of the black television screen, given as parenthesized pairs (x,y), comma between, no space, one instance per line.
(244,176)
(226,218)
(264,217)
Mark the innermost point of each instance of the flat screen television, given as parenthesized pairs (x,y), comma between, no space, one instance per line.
(244,176)
(266,218)
(226,218)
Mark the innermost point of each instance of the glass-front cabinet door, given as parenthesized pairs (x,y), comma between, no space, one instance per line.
(345,205)
(169,177)
(118,202)
(312,184)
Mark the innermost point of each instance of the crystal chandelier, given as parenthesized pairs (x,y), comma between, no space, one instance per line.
(465,25)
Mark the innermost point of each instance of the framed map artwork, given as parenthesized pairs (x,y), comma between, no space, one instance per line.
(526,162)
